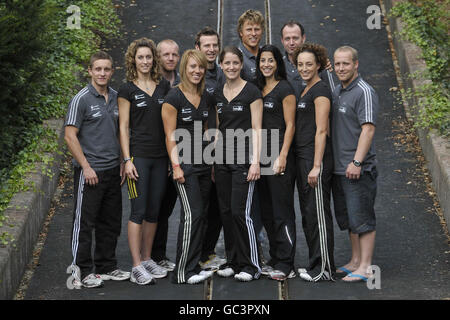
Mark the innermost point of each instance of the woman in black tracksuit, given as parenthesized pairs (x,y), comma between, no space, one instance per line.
(314,162)
(239,117)
(275,191)
(185,113)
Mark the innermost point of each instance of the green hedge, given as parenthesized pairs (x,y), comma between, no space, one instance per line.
(426,25)
(42,64)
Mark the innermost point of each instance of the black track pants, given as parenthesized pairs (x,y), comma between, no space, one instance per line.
(235,195)
(194,196)
(214,225)
(317,220)
(97,208)
(278,216)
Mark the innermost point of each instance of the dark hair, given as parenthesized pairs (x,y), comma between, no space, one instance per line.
(319,52)
(233,50)
(100,55)
(206,31)
(292,23)
(280,72)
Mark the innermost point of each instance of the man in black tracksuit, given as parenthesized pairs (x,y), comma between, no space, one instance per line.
(169,54)
(207,41)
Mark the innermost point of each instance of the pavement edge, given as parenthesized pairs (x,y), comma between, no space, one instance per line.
(436,149)
(26,215)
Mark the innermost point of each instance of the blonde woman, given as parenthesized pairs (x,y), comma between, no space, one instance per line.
(185,109)
(144,154)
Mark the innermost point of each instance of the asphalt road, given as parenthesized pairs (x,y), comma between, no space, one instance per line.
(412,250)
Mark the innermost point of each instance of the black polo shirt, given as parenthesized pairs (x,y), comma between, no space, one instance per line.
(273,112)
(235,116)
(214,78)
(177,79)
(147,139)
(293,76)
(305,123)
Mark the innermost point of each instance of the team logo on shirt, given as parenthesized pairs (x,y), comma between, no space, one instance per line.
(342,109)
(217,152)
(301,105)
(268,105)
(139,96)
(96,112)
(238,108)
(210,90)
(187,118)
(205,113)
(160,101)
(186,110)
(219,107)
(141,104)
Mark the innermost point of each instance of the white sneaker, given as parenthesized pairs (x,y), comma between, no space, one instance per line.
(292,274)
(302,270)
(308,276)
(266,270)
(116,275)
(90,281)
(139,275)
(280,275)
(154,269)
(166,264)
(243,276)
(206,273)
(196,278)
(225,273)
(213,263)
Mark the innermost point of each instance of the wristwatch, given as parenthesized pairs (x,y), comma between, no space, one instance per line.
(356,163)
(126,159)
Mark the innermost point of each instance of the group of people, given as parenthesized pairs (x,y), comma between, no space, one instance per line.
(321,136)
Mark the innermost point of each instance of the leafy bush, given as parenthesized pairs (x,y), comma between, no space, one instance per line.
(426,25)
(23,45)
(41,66)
